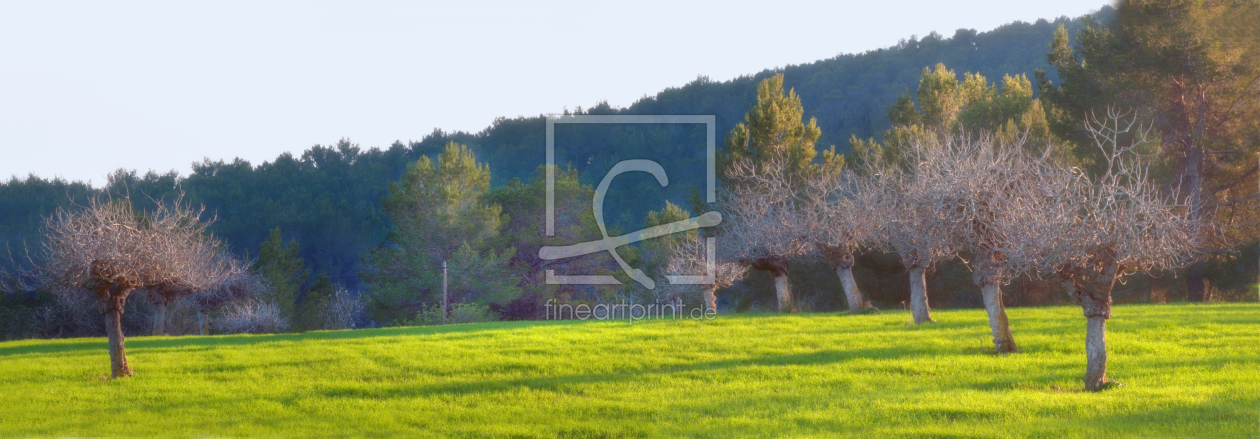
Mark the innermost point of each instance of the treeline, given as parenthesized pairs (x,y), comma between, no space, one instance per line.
(343,210)
(328,198)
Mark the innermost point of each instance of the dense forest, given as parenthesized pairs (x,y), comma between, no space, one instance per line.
(328,198)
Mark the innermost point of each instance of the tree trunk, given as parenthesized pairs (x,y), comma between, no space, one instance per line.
(778,267)
(203,321)
(918,296)
(1002,339)
(113,305)
(1195,198)
(851,291)
(1096,353)
(710,298)
(159,319)
(843,260)
(1094,297)
(117,353)
(782,292)
(1195,288)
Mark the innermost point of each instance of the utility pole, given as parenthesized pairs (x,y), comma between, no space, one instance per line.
(444,299)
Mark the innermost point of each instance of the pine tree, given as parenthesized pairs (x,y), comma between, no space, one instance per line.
(440,215)
(772,140)
(1191,67)
(282,269)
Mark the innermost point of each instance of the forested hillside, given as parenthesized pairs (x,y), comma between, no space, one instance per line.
(328,199)
(848,94)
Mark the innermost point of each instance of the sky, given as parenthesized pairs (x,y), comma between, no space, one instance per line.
(90,87)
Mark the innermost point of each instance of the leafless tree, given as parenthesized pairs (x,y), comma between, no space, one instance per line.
(835,215)
(759,227)
(108,250)
(985,191)
(240,286)
(695,257)
(906,201)
(210,263)
(1093,230)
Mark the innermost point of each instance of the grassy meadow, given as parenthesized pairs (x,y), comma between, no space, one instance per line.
(1187,370)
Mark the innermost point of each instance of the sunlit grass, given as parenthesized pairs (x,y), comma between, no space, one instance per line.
(1187,370)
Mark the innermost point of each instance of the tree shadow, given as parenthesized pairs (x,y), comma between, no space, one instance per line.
(563,383)
(458,331)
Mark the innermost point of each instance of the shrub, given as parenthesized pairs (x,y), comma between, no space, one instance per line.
(460,313)
(342,309)
(251,317)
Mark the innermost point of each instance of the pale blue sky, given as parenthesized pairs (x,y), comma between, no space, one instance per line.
(88,87)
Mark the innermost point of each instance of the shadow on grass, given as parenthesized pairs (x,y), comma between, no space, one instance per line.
(147,342)
(465,331)
(574,383)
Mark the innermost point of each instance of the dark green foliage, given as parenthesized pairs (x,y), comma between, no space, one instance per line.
(486,278)
(19,315)
(24,203)
(283,271)
(402,281)
(848,96)
(1235,278)
(328,197)
(310,310)
(1192,70)
(524,205)
(654,253)
(328,200)
(441,216)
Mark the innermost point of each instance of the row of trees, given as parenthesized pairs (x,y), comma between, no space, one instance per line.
(1109,196)
(941,109)
(929,192)
(947,193)
(327,197)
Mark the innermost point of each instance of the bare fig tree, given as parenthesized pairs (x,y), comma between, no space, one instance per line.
(701,257)
(836,216)
(1098,229)
(240,285)
(759,228)
(986,190)
(210,263)
(107,250)
(907,204)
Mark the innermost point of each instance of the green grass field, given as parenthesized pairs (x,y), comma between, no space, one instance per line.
(1187,370)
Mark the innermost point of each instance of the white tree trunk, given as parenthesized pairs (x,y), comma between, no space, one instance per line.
(710,298)
(850,288)
(1003,341)
(918,296)
(1096,353)
(783,293)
